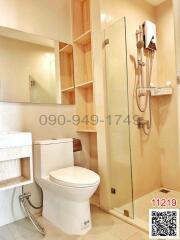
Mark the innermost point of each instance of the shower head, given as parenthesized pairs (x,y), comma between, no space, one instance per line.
(140,44)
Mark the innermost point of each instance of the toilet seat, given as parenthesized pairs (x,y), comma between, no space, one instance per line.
(75,177)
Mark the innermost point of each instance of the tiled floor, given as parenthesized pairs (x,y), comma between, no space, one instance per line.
(143,204)
(105,227)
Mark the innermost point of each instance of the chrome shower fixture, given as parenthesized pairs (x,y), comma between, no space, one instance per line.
(146,47)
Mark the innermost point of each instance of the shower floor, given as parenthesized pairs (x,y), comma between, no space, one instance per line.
(142,206)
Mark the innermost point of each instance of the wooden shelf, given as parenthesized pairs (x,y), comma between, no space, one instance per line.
(82,63)
(67,49)
(81,17)
(25,176)
(84,88)
(69,89)
(86,130)
(85,84)
(14,182)
(85,38)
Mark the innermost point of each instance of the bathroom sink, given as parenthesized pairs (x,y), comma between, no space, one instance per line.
(15,139)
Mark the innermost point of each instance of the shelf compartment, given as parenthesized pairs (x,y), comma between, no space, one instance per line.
(25,176)
(81,17)
(68,97)
(82,63)
(66,70)
(85,109)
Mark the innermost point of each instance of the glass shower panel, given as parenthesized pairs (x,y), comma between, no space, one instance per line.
(117,121)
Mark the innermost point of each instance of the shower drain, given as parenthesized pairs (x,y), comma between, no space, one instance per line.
(164,191)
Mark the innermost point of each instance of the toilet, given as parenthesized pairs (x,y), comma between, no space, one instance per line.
(66,188)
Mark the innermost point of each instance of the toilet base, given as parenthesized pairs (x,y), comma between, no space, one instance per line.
(70,216)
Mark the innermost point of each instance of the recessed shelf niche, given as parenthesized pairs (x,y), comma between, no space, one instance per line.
(85,109)
(83,76)
(23,178)
(82,61)
(66,73)
(81,17)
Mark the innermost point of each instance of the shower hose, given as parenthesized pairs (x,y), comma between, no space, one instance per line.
(147,91)
(25,202)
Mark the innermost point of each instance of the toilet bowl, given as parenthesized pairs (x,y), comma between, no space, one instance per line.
(66,190)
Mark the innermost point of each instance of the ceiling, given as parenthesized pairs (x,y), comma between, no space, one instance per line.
(155,2)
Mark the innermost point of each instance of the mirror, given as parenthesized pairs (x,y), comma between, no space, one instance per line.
(34,69)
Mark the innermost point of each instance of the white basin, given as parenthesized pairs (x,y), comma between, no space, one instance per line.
(15,139)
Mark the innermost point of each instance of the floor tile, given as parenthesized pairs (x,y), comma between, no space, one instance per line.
(5,234)
(139,236)
(104,227)
(22,228)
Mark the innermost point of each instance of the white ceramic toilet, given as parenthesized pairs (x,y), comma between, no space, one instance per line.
(66,188)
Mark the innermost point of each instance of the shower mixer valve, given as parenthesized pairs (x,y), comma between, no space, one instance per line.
(141,63)
(141,122)
(24,196)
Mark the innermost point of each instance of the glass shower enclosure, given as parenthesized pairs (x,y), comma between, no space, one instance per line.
(118,125)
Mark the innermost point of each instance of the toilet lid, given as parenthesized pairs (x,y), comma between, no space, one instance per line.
(75,177)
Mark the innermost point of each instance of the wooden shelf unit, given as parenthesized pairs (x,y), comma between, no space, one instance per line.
(81,18)
(66,73)
(83,76)
(83,73)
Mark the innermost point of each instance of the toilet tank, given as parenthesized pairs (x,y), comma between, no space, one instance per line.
(50,155)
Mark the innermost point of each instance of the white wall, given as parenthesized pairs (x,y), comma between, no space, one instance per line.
(50,18)
(176,5)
